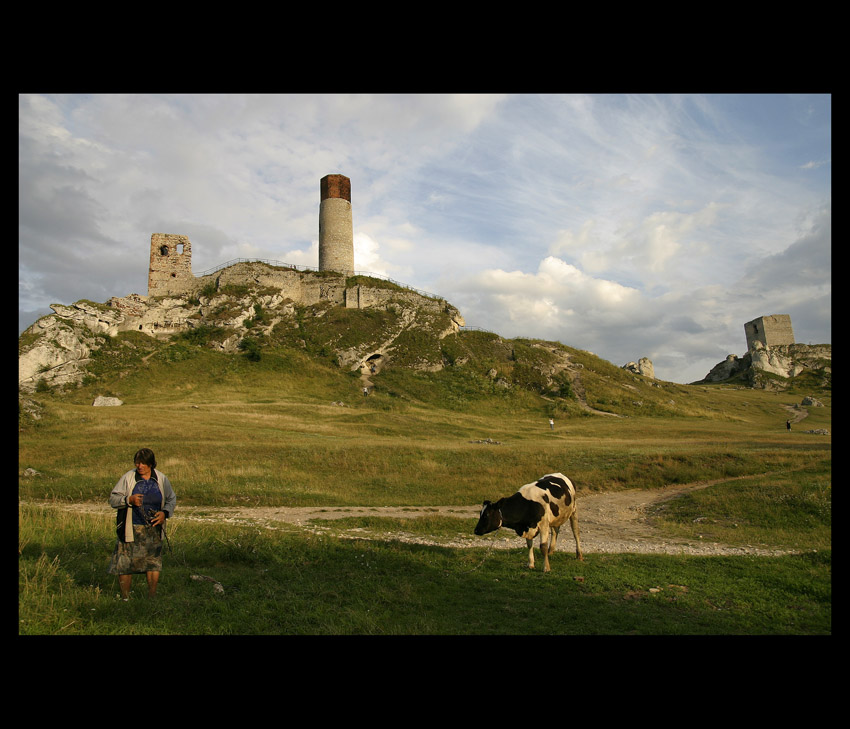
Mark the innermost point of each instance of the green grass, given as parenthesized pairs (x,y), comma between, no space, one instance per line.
(791,508)
(287,583)
(277,451)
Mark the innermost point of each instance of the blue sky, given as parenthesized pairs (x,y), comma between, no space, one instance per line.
(628,225)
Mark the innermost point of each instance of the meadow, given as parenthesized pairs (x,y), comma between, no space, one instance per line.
(229,432)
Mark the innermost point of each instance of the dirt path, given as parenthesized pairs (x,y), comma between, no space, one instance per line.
(796,412)
(609,523)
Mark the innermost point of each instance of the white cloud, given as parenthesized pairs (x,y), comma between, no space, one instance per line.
(556,300)
(662,243)
(368,258)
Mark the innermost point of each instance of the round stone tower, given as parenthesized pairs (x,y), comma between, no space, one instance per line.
(336,234)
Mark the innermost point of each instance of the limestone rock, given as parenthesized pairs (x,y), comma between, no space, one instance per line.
(58,356)
(784,361)
(102,401)
(726,369)
(95,317)
(775,360)
(642,367)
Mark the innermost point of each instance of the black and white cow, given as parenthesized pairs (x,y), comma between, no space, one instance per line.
(537,508)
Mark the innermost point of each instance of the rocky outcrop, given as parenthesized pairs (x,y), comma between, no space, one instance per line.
(731,367)
(776,360)
(642,367)
(97,318)
(769,367)
(58,355)
(244,299)
(103,401)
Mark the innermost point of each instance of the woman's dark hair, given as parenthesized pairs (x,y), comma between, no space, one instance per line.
(146,456)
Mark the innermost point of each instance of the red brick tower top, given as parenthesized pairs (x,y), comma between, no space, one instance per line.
(335,186)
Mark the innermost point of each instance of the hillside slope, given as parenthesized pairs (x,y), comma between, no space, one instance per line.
(240,309)
(401,344)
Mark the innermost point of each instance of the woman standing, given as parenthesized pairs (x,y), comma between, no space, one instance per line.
(146,497)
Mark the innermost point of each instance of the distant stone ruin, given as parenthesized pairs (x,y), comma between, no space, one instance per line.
(170,271)
(771,350)
(769,331)
(336,231)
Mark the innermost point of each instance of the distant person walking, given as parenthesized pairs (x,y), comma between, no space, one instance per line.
(144,499)
(788,425)
(551,424)
(365,391)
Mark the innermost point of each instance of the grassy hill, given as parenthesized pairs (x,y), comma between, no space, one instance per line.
(282,422)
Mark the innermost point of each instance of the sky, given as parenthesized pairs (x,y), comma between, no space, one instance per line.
(628,225)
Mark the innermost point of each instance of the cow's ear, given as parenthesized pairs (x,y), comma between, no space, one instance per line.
(486,503)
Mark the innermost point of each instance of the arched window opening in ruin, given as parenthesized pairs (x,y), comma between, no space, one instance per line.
(163,250)
(180,249)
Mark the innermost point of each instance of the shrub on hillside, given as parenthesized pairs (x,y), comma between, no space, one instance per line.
(251,348)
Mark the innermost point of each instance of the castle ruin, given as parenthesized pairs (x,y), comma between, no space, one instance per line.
(769,331)
(336,238)
(170,271)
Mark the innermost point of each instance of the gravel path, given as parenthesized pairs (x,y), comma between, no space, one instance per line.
(608,523)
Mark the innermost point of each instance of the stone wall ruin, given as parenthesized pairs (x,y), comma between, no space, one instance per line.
(769,331)
(170,270)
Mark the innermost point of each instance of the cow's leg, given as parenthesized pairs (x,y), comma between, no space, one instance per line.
(544,545)
(553,542)
(574,525)
(530,544)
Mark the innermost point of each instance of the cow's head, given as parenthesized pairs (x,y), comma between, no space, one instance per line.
(490,518)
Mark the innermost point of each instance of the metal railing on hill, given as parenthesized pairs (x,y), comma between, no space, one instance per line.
(281,264)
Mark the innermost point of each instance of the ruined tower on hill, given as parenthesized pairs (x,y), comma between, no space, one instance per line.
(170,268)
(336,237)
(769,331)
